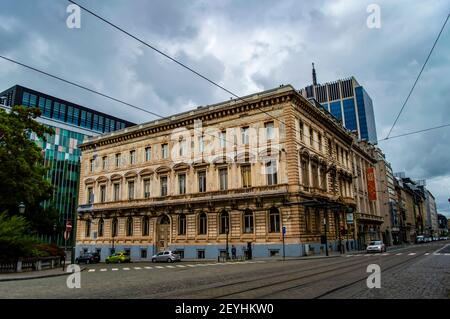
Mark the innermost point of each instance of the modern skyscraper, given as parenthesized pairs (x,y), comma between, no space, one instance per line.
(72,123)
(348,102)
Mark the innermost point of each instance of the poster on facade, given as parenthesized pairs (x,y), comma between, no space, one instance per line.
(371,184)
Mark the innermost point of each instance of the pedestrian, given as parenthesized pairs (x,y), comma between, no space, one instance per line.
(233,252)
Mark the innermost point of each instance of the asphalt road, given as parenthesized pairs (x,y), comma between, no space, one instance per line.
(421,271)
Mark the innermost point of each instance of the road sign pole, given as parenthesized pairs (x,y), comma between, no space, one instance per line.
(284,233)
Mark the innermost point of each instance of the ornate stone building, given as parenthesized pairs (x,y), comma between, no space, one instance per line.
(233,173)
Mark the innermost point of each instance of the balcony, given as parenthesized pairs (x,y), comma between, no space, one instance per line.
(213,196)
(369,218)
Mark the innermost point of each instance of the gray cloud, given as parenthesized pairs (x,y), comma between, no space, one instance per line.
(246,46)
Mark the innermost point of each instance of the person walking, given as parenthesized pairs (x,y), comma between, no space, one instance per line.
(233,252)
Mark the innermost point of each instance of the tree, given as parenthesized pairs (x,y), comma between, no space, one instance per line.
(14,239)
(22,171)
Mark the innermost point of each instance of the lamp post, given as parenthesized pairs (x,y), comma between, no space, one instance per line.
(21,208)
(227,255)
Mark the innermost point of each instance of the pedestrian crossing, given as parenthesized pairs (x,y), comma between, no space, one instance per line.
(174,266)
(398,254)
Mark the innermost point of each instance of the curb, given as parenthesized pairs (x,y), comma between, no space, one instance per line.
(39,277)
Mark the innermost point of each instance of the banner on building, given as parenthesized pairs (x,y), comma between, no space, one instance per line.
(371,188)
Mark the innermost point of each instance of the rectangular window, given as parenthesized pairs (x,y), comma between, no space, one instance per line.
(48,108)
(222,139)
(202,181)
(112,124)
(130,190)
(301,130)
(95,126)
(33,100)
(143,253)
(89,120)
(165,151)
(146,188)
(246,176)
(101,127)
(62,112)
(163,185)
(182,183)
(26,99)
(311,137)
(132,157)
(305,175)
(223,179)
(91,165)
(271,172)
(116,192)
(76,114)
(201,254)
(244,136)
(107,128)
(83,117)
(56,110)
(201,144)
(117,160)
(148,154)
(319,139)
(42,104)
(269,130)
(105,163)
(102,193)
(90,197)
(69,114)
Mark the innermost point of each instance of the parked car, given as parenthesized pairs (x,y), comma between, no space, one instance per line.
(166,256)
(88,258)
(119,257)
(376,246)
(420,239)
(428,239)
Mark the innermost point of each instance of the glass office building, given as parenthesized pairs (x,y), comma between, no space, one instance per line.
(348,102)
(71,123)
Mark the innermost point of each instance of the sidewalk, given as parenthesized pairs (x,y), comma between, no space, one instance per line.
(35,274)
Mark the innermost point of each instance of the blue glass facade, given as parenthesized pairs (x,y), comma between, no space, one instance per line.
(350,114)
(335,109)
(362,113)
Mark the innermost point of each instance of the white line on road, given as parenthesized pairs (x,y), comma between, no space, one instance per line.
(115,269)
(126,268)
(147,267)
(426,254)
(437,254)
(260,261)
(170,266)
(103,269)
(367,255)
(159,267)
(181,266)
(411,254)
(137,268)
(91,270)
(399,254)
(447,254)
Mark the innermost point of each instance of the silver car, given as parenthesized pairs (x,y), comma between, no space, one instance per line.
(376,246)
(166,256)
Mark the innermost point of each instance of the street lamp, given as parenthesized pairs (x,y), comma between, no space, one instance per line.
(21,208)
(227,255)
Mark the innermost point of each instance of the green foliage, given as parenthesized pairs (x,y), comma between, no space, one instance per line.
(15,240)
(21,161)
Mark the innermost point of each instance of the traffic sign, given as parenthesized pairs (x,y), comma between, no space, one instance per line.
(284,230)
(68,226)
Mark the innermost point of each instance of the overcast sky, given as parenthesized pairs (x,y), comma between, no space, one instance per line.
(246,46)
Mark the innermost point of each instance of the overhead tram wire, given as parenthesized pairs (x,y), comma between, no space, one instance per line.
(177,62)
(415,132)
(418,76)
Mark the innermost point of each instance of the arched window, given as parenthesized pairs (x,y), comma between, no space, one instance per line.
(248,221)
(88,228)
(202,224)
(274,220)
(129,226)
(224,222)
(101,227)
(182,224)
(114,228)
(145,226)
(165,220)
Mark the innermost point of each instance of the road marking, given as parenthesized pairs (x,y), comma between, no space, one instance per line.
(115,269)
(426,254)
(181,266)
(437,254)
(91,270)
(170,266)
(126,268)
(447,254)
(385,254)
(367,255)
(159,267)
(190,265)
(103,269)
(348,255)
(147,267)
(411,254)
(399,254)
(137,268)
(260,261)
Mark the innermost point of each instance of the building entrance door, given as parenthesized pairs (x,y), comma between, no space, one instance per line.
(163,233)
